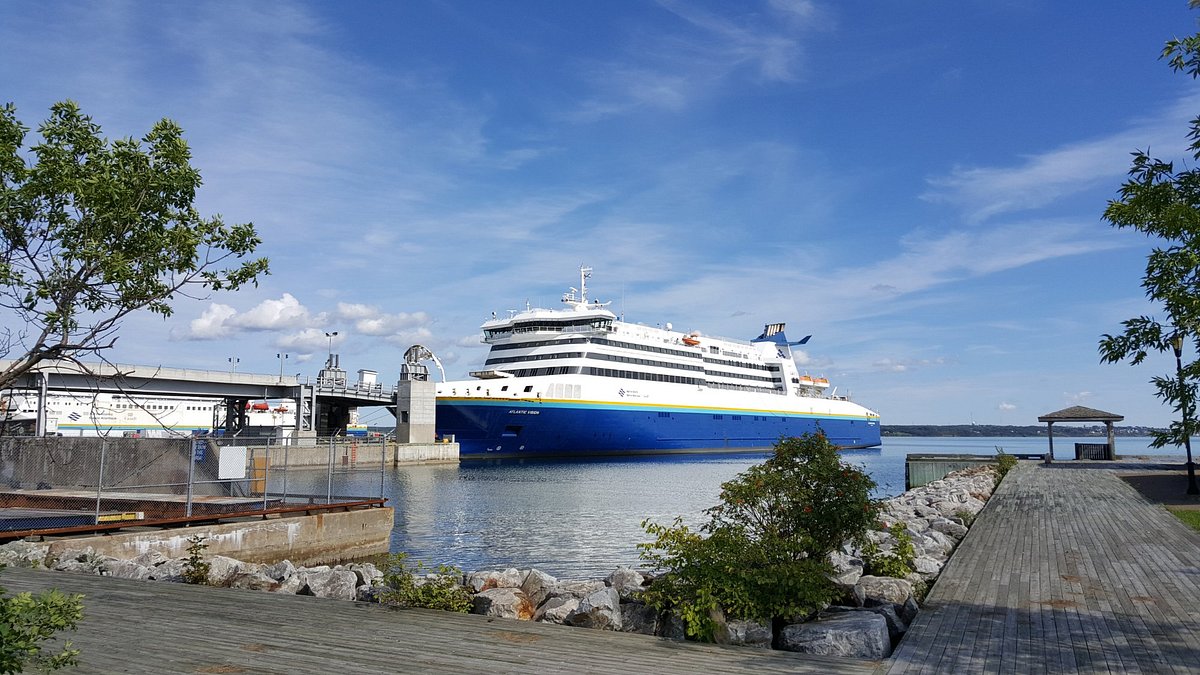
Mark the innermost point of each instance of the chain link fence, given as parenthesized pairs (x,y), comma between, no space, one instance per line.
(63,483)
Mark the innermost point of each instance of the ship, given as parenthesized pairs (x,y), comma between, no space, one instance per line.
(134,415)
(580,382)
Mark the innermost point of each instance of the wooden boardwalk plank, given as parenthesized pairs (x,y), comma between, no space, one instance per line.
(155,627)
(1068,569)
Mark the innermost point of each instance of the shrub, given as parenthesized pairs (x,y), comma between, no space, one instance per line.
(965,516)
(897,563)
(27,620)
(1004,463)
(195,568)
(405,587)
(763,554)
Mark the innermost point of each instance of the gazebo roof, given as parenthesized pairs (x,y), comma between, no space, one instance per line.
(1078,413)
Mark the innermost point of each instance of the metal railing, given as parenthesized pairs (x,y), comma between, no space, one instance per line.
(71,484)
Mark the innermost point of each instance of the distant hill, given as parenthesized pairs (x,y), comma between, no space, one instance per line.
(992,430)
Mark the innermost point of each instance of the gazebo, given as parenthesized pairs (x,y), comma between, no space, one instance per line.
(1078,413)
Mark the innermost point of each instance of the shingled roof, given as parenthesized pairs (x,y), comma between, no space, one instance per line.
(1078,413)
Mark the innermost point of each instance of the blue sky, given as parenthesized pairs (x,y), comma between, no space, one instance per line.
(917,184)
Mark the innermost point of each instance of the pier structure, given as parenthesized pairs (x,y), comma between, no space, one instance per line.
(322,404)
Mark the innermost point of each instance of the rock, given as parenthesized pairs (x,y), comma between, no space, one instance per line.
(252,580)
(281,570)
(221,569)
(125,569)
(578,589)
(171,570)
(556,609)
(746,633)
(628,582)
(862,635)
(949,528)
(674,628)
(292,585)
(24,554)
(896,626)
(367,593)
(538,586)
(638,618)
(601,609)
(367,573)
(927,566)
(151,558)
(506,603)
(482,581)
(942,542)
(75,555)
(328,583)
(871,591)
(908,611)
(847,569)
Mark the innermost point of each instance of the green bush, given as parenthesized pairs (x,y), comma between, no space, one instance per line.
(27,620)
(897,563)
(764,552)
(1004,463)
(403,588)
(195,568)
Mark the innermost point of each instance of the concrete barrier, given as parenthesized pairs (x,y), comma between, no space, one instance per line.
(319,539)
(359,454)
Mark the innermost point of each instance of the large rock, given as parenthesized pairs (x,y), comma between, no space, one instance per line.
(896,625)
(281,570)
(746,633)
(601,609)
(556,609)
(538,586)
(639,618)
(125,569)
(927,566)
(367,573)
(328,583)
(506,603)
(578,589)
(862,635)
(628,582)
(221,569)
(151,558)
(482,581)
(171,570)
(949,528)
(846,569)
(252,580)
(24,554)
(872,591)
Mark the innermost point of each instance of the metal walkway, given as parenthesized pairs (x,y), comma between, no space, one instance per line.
(1068,569)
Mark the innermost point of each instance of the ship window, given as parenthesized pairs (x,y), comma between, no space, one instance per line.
(504,388)
(713,349)
(528,388)
(718,417)
(737,417)
(664,414)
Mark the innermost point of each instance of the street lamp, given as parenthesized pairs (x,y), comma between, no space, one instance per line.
(233,363)
(282,358)
(329,359)
(1177,344)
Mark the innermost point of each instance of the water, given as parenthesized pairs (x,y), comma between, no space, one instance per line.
(582,518)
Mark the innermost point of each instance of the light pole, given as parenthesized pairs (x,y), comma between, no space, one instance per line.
(282,358)
(233,363)
(329,359)
(1192,488)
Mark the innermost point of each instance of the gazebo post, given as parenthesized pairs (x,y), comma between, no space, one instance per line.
(1050,434)
(1112,441)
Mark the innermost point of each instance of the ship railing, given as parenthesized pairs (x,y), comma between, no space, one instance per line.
(59,484)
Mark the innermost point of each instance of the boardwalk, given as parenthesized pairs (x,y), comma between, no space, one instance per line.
(154,627)
(1068,569)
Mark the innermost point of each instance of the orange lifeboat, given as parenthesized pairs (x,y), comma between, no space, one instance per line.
(690,341)
(262,405)
(821,382)
(806,381)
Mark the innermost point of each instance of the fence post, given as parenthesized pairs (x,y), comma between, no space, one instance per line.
(191,460)
(100,478)
(266,476)
(287,445)
(382,463)
(329,481)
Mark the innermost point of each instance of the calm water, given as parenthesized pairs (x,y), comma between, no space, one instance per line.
(581,518)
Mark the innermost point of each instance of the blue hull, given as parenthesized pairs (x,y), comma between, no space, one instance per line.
(494,429)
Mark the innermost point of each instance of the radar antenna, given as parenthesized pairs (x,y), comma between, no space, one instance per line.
(412,368)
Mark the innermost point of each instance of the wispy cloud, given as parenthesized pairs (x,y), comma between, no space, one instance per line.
(985,192)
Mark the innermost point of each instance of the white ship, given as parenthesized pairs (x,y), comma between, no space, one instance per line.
(579,382)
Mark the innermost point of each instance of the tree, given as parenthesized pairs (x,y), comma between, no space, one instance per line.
(27,620)
(764,552)
(92,230)
(1165,205)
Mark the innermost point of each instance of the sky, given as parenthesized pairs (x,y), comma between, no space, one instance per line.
(919,185)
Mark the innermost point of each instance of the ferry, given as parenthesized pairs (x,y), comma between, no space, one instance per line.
(142,416)
(577,381)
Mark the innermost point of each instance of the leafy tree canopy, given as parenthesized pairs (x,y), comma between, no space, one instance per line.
(92,230)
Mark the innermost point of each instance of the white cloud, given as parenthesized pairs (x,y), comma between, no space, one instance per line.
(985,192)
(1006,407)
(286,312)
(1077,398)
(308,342)
(211,325)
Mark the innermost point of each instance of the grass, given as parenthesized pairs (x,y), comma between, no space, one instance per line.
(1190,517)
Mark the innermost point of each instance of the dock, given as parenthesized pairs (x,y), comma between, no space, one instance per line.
(155,627)
(1067,569)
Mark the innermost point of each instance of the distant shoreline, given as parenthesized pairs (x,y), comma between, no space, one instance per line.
(995,430)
